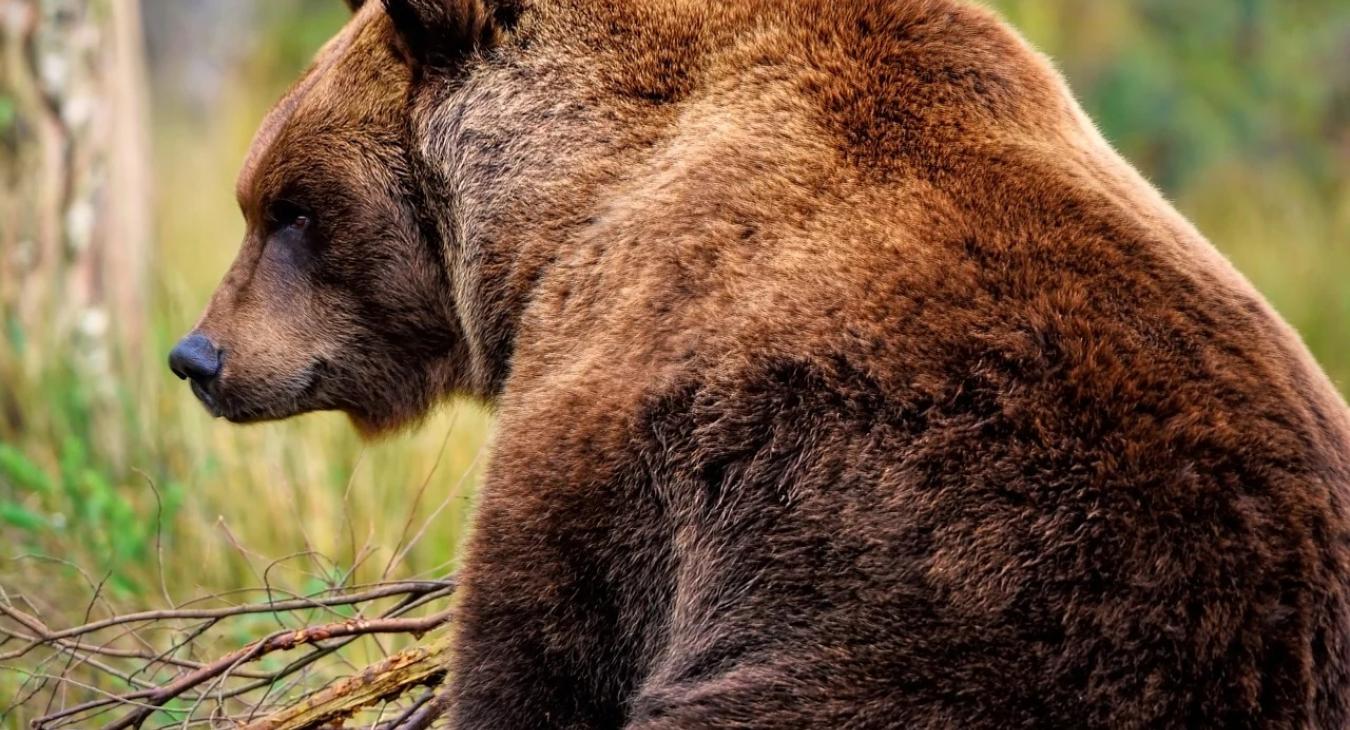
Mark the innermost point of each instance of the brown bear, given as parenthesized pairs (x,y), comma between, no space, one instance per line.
(846,377)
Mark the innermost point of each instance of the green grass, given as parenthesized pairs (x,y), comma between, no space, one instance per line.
(111,475)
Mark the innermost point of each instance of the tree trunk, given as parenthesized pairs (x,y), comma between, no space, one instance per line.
(74,195)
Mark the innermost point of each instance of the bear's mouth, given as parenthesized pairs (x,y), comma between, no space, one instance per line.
(238,403)
(207,400)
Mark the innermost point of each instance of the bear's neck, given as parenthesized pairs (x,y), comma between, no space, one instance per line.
(536,145)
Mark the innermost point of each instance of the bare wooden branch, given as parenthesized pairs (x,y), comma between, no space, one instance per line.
(306,692)
(385,591)
(392,677)
(280,641)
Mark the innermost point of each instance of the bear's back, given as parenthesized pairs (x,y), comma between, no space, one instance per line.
(930,388)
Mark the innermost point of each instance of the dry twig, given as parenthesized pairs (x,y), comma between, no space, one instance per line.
(225,691)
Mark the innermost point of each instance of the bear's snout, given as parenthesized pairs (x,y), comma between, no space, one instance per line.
(195,358)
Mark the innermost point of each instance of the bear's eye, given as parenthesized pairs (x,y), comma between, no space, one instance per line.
(283,214)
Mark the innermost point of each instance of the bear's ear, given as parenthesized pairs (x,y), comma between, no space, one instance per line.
(355,5)
(440,33)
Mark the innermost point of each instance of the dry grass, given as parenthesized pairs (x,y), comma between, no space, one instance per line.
(114,481)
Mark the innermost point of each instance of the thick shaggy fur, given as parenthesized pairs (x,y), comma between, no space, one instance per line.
(846,377)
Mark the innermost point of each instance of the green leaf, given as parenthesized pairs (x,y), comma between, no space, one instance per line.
(125,585)
(17,468)
(14,331)
(73,459)
(8,112)
(21,517)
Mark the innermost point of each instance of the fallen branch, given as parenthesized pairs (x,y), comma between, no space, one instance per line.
(390,678)
(280,641)
(383,591)
(305,693)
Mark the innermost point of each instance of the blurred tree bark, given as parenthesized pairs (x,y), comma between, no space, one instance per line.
(75,194)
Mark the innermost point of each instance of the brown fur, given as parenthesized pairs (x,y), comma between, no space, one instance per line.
(846,377)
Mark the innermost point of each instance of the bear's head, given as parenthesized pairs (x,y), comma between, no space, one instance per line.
(340,297)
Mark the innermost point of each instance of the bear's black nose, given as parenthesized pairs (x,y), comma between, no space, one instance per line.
(195,357)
